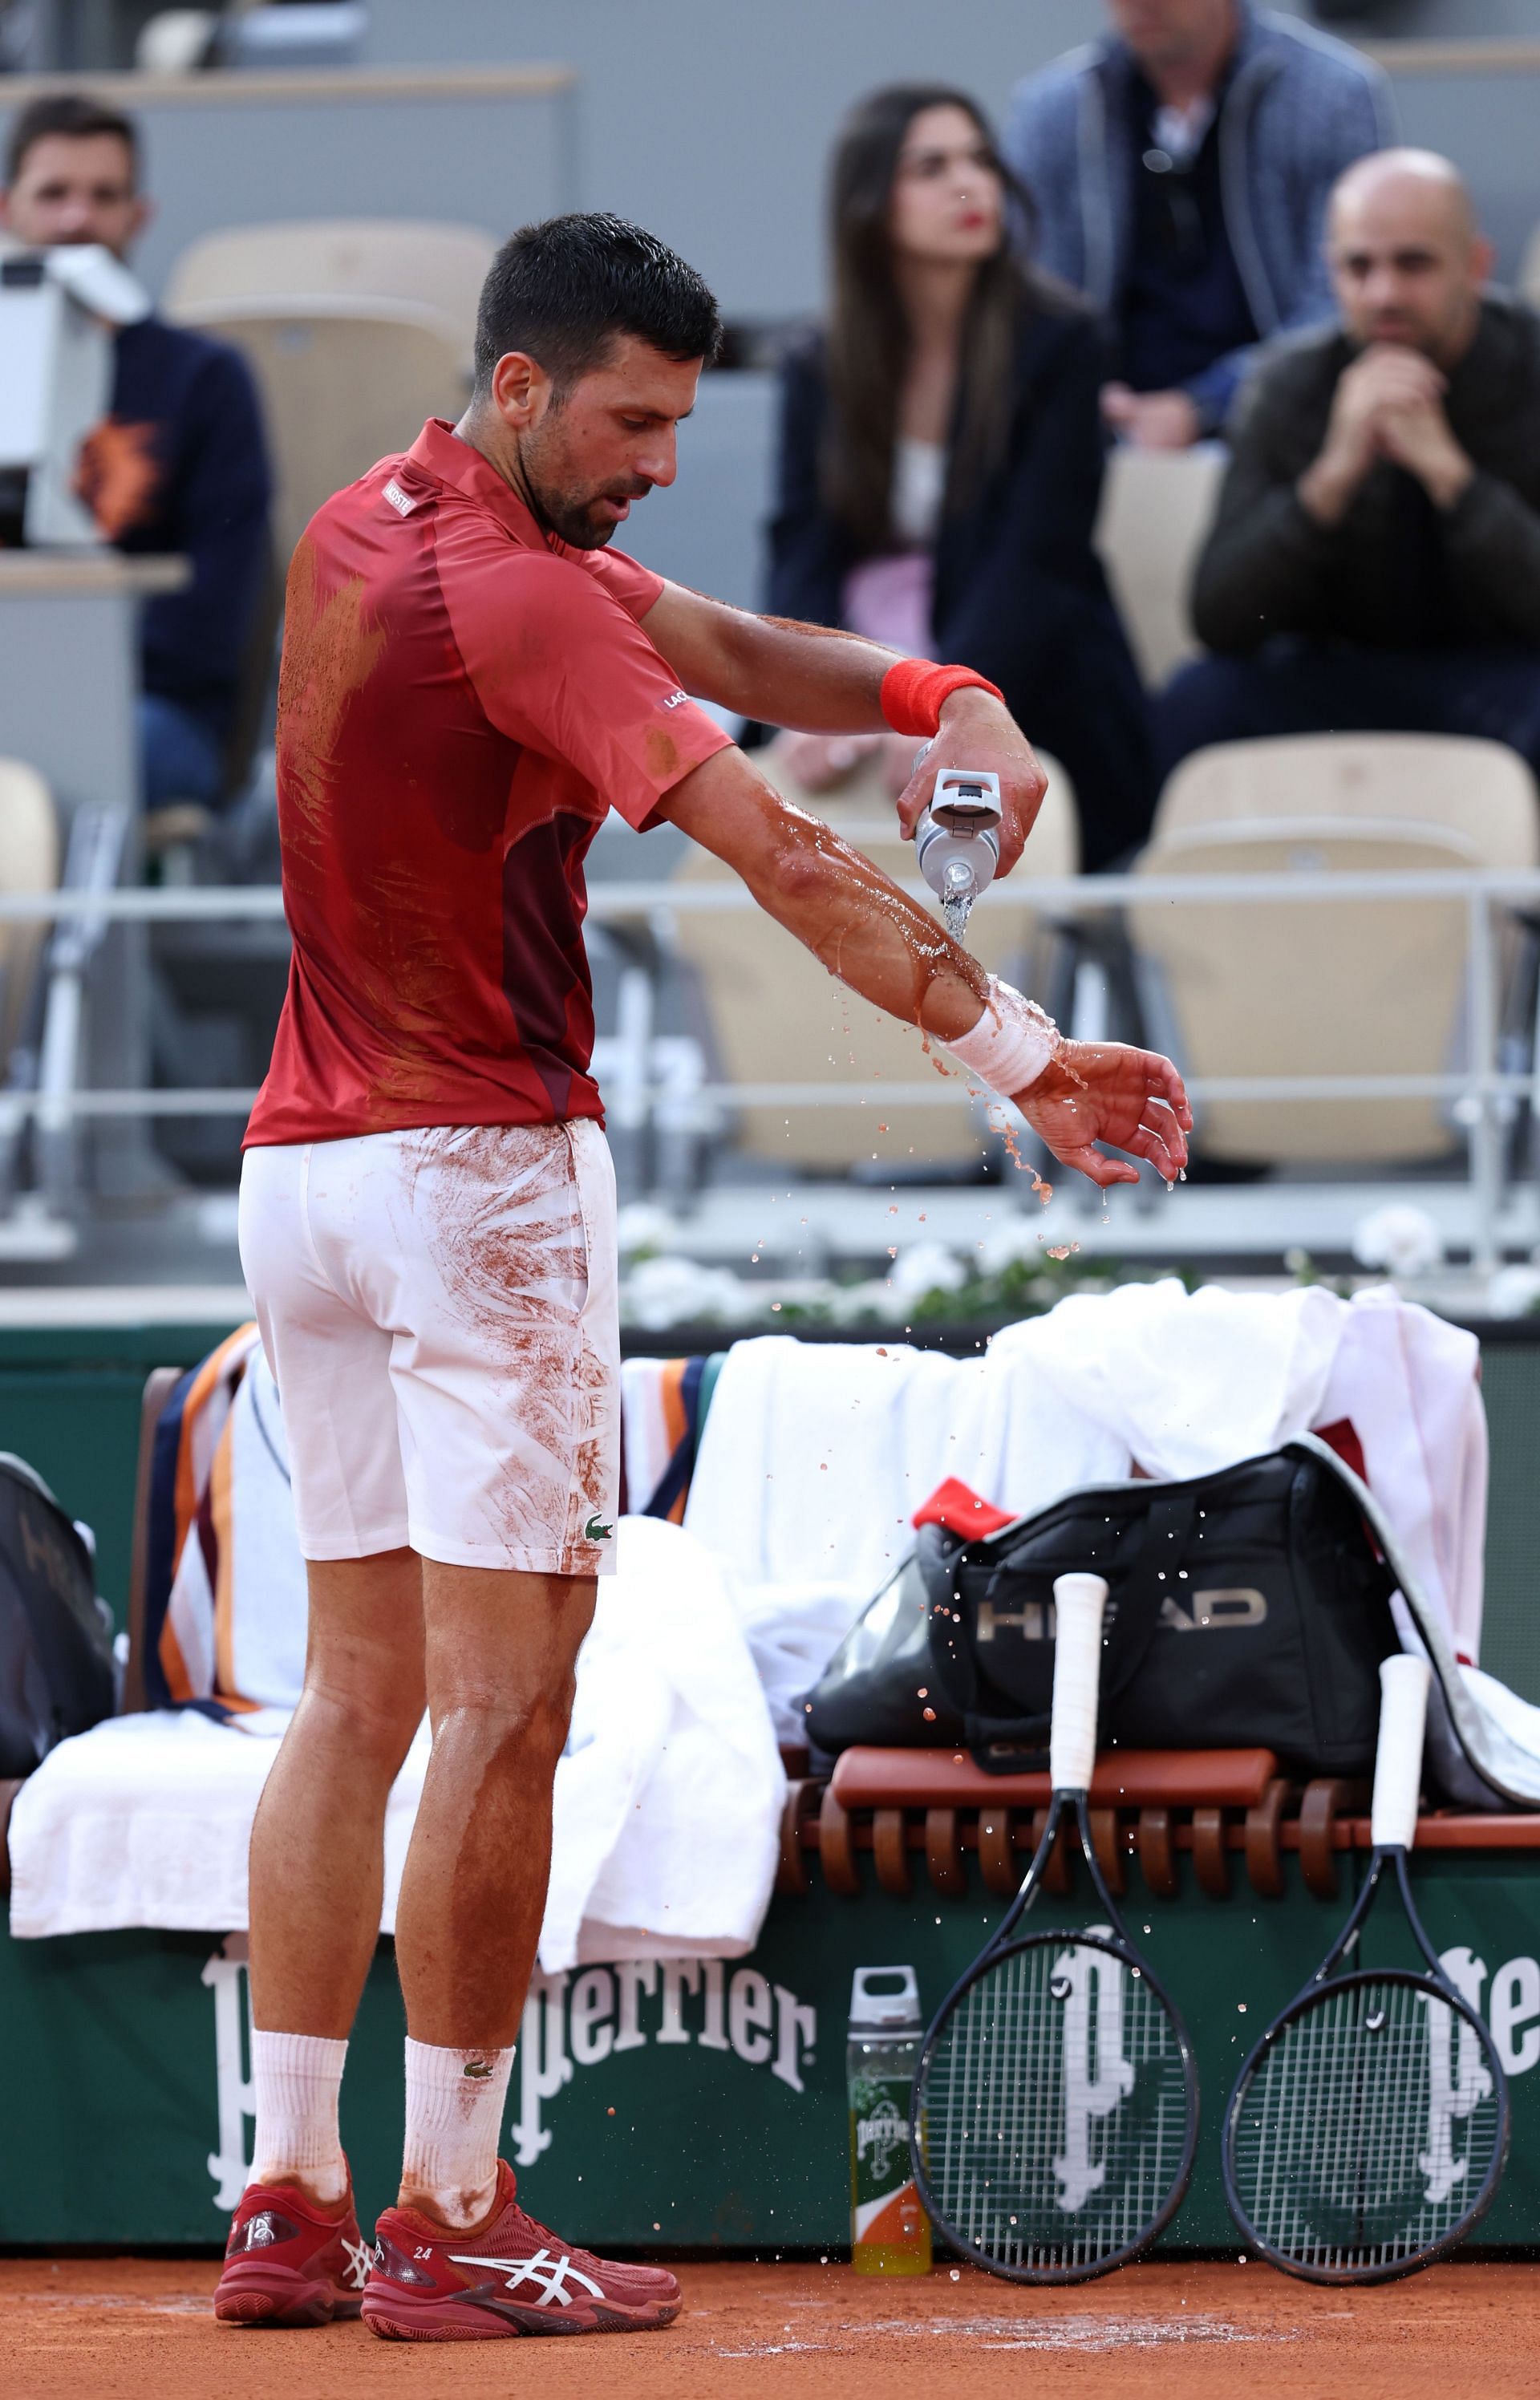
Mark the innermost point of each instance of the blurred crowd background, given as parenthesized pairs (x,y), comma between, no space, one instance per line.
(1171,361)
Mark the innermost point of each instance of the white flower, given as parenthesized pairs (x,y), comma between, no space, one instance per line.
(925,1267)
(1403,1240)
(1513,1291)
(643,1230)
(660,1292)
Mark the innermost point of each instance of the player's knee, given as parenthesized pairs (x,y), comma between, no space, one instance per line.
(375,1718)
(522,1728)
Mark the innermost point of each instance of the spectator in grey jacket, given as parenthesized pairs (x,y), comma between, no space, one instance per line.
(1375,563)
(1181,172)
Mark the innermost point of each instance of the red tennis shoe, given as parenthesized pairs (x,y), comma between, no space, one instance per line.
(509,2276)
(289,2262)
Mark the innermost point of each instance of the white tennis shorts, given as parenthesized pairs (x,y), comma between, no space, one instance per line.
(438,1311)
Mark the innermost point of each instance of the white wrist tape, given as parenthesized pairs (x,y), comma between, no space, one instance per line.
(1011,1042)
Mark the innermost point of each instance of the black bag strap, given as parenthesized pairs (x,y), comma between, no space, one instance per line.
(1007,1745)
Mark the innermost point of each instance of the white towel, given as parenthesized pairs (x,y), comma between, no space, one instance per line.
(667,1802)
(814,1458)
(1186,1382)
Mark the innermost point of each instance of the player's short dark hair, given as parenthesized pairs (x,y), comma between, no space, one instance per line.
(78,117)
(563,291)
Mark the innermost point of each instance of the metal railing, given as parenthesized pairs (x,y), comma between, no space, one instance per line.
(1483,1094)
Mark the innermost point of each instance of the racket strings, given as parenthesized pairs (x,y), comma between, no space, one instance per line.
(1365,2133)
(1052,2111)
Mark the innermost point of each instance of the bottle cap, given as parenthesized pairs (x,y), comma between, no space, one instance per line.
(885,1996)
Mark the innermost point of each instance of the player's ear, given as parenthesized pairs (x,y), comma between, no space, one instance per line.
(520,390)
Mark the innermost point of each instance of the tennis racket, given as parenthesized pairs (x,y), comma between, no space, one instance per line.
(1370,2125)
(1056,2101)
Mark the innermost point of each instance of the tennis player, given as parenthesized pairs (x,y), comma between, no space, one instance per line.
(471,680)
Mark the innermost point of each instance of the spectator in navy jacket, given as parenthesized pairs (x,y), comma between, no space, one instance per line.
(179,466)
(1181,172)
(941,460)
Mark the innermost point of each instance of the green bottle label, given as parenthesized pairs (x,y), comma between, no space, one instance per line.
(889,2234)
(879,2137)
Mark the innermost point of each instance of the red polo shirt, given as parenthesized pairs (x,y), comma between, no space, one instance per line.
(462,699)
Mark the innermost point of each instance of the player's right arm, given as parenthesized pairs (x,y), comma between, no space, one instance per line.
(816,680)
(867,932)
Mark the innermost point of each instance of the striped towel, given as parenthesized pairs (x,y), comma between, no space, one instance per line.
(663,1404)
(189,1618)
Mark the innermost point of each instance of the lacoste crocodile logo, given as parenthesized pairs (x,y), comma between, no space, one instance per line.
(596,1530)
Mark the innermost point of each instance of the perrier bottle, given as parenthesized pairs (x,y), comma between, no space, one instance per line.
(890,2234)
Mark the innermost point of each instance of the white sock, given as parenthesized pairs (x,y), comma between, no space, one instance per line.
(454,2117)
(296,2078)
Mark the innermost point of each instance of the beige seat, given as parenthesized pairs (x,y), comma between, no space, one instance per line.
(355,330)
(338,392)
(439,268)
(30,861)
(1354,986)
(1156,508)
(777,1017)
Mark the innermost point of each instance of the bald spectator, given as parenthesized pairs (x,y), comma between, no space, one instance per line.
(1375,563)
(1180,171)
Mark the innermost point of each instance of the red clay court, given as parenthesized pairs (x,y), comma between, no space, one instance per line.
(117,2329)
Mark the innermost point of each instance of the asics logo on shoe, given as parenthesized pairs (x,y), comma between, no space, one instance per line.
(596,1530)
(360,2257)
(553,2276)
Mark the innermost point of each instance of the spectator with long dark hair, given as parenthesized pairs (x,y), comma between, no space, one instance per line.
(940,458)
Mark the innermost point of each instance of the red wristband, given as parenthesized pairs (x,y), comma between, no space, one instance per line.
(914,689)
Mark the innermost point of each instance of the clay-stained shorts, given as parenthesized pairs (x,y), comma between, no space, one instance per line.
(439,1311)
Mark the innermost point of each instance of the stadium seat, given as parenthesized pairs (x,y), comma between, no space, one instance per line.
(439,267)
(1528,270)
(1156,508)
(1358,987)
(776,1017)
(355,330)
(30,861)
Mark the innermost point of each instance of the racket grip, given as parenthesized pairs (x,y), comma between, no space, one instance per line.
(1079,1600)
(1398,1753)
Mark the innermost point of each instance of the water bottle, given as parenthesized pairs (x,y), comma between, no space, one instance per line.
(889,2232)
(956,841)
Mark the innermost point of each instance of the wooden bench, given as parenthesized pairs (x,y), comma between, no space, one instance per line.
(898,1807)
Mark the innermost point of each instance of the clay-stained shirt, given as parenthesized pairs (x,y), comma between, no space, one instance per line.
(462,699)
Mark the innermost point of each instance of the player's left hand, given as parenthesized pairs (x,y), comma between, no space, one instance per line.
(1108,1091)
(979,734)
